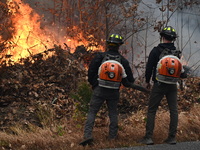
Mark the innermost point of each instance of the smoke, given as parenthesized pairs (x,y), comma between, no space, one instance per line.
(50,13)
(186,21)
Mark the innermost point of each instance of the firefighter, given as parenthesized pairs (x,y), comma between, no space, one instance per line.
(162,87)
(109,93)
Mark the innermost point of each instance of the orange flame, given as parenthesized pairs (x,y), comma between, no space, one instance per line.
(28,38)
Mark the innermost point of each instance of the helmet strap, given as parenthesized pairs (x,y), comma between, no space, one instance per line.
(161,40)
(112,44)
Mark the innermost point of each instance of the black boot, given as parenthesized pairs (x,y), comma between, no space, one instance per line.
(170,140)
(147,141)
(87,141)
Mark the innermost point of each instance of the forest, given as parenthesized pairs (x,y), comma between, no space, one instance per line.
(45,51)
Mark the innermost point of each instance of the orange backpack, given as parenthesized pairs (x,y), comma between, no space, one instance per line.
(169,69)
(111,72)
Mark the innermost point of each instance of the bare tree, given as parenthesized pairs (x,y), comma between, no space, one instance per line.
(93,21)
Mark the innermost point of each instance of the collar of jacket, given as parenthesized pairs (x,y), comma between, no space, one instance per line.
(167,45)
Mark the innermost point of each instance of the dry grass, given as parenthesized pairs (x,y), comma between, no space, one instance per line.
(69,134)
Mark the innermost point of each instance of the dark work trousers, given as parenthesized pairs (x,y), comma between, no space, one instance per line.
(99,96)
(160,90)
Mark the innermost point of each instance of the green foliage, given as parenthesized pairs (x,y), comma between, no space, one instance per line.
(45,115)
(4,143)
(145,119)
(60,131)
(82,97)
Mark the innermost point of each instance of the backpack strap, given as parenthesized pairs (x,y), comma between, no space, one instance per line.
(111,57)
(167,51)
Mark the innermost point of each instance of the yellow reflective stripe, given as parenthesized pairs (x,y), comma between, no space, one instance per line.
(170,29)
(116,36)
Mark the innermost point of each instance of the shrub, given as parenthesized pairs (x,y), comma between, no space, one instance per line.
(82,98)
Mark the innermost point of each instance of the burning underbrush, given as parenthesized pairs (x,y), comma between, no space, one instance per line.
(37,83)
(44,100)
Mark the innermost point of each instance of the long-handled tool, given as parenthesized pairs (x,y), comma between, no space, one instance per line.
(139,88)
(126,83)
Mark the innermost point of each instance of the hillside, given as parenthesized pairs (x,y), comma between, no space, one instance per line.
(44,100)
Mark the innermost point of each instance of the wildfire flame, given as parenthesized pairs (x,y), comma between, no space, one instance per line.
(28,38)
